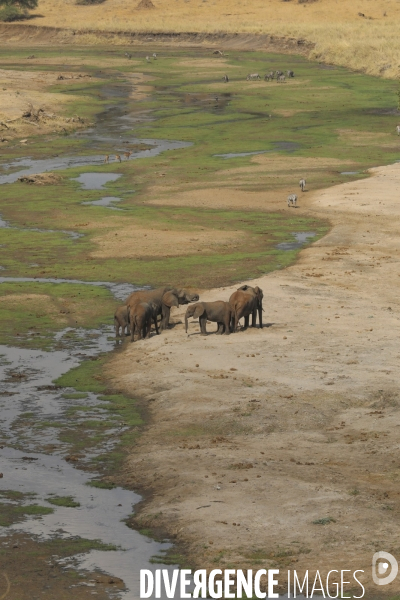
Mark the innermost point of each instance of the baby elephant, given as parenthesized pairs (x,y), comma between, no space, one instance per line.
(121,321)
(219,312)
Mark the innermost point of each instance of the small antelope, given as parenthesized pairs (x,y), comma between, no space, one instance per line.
(252,76)
(225,78)
(292,200)
(117,157)
(107,158)
(127,155)
(302,184)
(398,129)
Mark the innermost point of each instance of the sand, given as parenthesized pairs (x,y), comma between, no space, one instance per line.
(254,436)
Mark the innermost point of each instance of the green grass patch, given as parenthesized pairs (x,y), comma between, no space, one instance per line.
(103,485)
(66,501)
(11,513)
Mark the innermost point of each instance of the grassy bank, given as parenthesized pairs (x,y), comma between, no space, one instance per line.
(359,35)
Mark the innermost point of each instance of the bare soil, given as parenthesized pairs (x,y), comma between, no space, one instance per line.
(257,435)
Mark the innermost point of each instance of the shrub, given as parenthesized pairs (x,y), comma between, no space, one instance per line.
(11,13)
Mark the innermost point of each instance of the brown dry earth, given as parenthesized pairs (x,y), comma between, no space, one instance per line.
(255,435)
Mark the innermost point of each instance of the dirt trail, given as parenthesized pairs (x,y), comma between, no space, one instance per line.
(256,435)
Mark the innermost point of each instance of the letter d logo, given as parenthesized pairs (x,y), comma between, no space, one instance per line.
(382,567)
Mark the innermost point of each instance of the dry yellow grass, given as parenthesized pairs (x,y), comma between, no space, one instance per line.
(340,35)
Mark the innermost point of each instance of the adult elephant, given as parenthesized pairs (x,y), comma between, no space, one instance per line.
(244,302)
(164,299)
(172,298)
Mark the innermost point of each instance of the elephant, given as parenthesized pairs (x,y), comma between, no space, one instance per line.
(164,298)
(141,315)
(219,312)
(244,302)
(121,320)
(172,298)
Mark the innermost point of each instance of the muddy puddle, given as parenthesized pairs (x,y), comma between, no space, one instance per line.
(107,201)
(301,238)
(95,181)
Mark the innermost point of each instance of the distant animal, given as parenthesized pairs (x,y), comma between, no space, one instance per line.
(278,73)
(107,158)
(219,312)
(280,79)
(290,73)
(165,298)
(268,77)
(148,58)
(225,78)
(128,55)
(252,76)
(398,129)
(121,321)
(141,315)
(244,302)
(292,200)
(127,155)
(302,184)
(117,157)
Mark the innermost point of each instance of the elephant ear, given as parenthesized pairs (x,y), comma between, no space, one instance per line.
(259,293)
(244,287)
(170,299)
(199,310)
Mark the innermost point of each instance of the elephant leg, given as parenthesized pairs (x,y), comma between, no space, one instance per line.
(132,329)
(254,318)
(156,324)
(203,321)
(226,326)
(220,329)
(246,322)
(165,318)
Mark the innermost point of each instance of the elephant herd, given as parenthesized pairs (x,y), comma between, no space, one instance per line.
(143,308)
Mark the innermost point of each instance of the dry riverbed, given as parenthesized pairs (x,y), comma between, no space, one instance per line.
(256,436)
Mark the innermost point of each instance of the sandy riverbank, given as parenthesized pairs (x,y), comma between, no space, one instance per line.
(256,435)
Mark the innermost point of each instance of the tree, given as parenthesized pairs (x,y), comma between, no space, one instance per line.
(16,10)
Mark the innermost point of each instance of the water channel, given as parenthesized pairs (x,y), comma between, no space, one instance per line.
(26,386)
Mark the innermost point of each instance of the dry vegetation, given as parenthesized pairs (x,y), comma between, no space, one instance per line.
(362,34)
